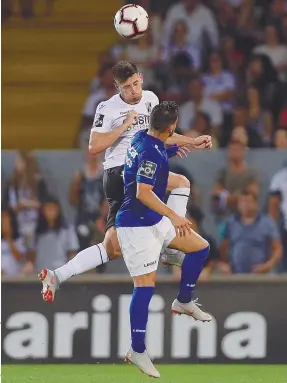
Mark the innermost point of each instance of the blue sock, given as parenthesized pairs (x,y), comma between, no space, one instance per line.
(190,270)
(139,315)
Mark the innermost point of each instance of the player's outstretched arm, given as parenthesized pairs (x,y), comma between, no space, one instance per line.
(201,142)
(100,141)
(146,195)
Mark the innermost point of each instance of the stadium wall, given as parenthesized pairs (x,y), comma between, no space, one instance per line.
(59,166)
(89,322)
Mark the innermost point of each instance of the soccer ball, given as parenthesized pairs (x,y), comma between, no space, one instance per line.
(131,21)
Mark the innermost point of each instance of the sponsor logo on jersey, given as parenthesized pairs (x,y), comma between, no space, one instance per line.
(98,121)
(147,169)
(141,123)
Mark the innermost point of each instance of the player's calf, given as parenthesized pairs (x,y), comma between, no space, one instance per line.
(196,249)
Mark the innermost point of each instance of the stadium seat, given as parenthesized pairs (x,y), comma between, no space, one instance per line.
(47,65)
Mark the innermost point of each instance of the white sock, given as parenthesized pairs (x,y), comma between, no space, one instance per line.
(177,201)
(85,260)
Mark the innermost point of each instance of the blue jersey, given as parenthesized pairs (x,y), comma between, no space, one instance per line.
(146,162)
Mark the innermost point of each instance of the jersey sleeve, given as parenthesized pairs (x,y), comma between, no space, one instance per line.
(149,165)
(103,120)
(275,185)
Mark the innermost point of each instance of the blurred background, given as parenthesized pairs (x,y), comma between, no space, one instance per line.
(225,63)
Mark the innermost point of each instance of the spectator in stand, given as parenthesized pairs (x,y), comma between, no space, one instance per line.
(240,122)
(102,88)
(87,195)
(262,74)
(284,26)
(199,19)
(202,126)
(220,84)
(174,83)
(277,10)
(280,139)
(275,50)
(259,120)
(195,215)
(25,192)
(142,52)
(283,118)
(55,242)
(13,249)
(198,102)
(234,58)
(277,206)
(179,44)
(235,178)
(251,241)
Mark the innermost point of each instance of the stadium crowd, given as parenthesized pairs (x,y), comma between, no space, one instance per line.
(225,63)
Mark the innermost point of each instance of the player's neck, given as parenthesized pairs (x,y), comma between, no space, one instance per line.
(160,136)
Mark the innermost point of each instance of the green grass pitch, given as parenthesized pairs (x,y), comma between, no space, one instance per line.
(98,373)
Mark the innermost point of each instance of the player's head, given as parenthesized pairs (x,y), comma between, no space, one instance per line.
(128,81)
(163,118)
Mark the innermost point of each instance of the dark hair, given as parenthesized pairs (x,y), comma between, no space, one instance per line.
(205,116)
(13,220)
(124,70)
(42,225)
(163,115)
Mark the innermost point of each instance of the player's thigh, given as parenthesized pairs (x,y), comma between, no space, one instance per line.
(114,191)
(187,244)
(111,243)
(177,181)
(141,248)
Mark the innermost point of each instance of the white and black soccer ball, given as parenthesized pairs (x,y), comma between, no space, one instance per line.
(131,21)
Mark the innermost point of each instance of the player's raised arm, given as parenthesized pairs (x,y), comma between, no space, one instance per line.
(102,137)
(201,142)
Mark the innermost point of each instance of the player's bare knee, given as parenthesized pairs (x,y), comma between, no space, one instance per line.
(182,182)
(197,245)
(146,280)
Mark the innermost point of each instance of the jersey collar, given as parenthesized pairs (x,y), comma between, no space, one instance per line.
(155,140)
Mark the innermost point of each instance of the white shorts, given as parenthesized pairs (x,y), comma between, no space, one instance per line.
(141,246)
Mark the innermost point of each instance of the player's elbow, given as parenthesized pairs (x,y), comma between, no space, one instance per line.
(93,149)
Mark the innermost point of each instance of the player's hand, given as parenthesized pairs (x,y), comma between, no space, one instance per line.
(203,142)
(131,117)
(183,151)
(181,224)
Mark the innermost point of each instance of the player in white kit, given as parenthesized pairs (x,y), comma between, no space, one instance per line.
(116,121)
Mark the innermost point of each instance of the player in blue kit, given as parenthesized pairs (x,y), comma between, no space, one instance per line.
(145,224)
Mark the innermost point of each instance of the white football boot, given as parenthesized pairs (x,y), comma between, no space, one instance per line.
(190,309)
(142,361)
(50,285)
(171,257)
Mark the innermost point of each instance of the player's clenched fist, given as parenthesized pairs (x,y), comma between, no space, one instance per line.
(131,117)
(181,224)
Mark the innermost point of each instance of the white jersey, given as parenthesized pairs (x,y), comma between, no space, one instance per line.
(110,115)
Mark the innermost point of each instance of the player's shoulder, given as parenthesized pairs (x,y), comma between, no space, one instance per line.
(150,96)
(108,106)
